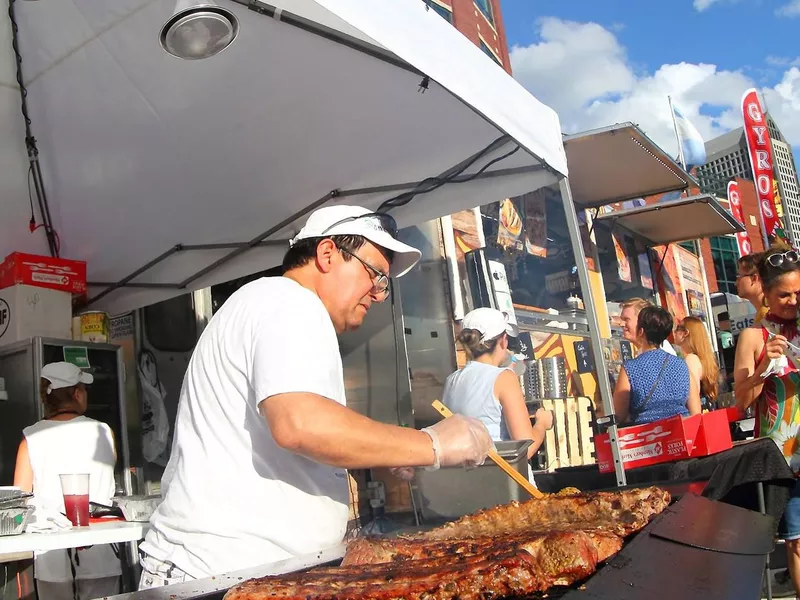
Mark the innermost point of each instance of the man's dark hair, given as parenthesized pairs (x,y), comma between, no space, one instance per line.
(305,250)
(656,323)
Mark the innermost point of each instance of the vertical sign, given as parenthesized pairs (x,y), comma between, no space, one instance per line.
(760,150)
(583,356)
(735,201)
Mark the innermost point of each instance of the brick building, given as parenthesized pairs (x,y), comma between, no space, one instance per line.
(481,21)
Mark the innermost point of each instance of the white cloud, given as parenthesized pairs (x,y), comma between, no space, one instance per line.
(701,5)
(782,61)
(790,9)
(583,72)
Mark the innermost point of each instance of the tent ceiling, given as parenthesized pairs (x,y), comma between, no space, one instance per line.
(678,220)
(142,151)
(619,163)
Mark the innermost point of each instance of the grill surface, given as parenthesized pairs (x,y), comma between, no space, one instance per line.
(652,567)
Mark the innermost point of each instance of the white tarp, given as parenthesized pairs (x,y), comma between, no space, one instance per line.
(142,151)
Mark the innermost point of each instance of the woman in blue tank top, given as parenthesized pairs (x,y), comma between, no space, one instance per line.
(487,391)
(654,385)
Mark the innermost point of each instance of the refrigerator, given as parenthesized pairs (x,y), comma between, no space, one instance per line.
(20,365)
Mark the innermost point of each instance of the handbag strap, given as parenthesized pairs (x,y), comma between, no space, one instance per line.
(655,385)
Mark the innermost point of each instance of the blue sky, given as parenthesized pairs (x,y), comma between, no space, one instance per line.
(603,61)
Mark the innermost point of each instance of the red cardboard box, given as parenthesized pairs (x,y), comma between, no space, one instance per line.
(734,414)
(671,439)
(43,271)
(649,444)
(714,434)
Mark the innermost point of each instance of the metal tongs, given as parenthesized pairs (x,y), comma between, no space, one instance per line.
(498,460)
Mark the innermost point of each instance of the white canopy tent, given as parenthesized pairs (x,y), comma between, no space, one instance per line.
(168,176)
(147,156)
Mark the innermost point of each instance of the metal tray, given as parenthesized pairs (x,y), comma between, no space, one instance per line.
(453,492)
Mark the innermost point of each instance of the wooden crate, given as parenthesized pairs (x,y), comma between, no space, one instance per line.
(569,443)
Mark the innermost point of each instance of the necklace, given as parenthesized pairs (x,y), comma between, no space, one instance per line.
(63,412)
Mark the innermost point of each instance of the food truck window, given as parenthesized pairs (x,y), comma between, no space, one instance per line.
(625,264)
(171,325)
(528,235)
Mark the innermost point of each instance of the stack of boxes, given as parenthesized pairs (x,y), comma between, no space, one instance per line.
(36,296)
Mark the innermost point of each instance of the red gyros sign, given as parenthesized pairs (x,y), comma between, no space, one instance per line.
(760,149)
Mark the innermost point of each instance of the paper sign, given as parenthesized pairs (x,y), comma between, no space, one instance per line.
(121,327)
(77,355)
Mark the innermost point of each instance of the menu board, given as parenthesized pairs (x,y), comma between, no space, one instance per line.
(583,356)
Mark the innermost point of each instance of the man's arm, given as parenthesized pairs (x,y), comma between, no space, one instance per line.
(327,432)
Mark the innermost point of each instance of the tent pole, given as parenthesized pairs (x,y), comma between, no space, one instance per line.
(134,275)
(594,329)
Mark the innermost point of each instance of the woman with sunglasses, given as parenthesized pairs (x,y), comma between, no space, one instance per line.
(767,375)
(692,338)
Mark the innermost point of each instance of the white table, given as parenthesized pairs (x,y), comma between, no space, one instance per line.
(112,532)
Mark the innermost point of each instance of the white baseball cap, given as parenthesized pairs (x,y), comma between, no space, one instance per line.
(490,322)
(63,375)
(378,228)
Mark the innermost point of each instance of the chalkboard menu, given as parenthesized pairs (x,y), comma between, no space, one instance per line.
(583,355)
(625,350)
(526,345)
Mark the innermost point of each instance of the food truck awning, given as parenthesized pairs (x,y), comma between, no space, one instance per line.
(619,163)
(673,221)
(161,172)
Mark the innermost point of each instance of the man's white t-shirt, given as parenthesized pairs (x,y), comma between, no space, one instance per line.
(233,498)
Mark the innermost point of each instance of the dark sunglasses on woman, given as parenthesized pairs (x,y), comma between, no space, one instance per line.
(779,258)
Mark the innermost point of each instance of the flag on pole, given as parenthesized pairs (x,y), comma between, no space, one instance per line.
(693,148)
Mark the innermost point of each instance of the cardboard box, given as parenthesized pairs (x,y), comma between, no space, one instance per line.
(675,438)
(27,311)
(43,271)
(649,444)
(714,434)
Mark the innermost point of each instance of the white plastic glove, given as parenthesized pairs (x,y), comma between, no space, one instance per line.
(459,440)
(404,473)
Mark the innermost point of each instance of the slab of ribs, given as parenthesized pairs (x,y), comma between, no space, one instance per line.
(513,550)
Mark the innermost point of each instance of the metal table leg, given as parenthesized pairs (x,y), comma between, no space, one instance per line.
(763,508)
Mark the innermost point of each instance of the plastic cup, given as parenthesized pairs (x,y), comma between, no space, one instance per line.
(75,487)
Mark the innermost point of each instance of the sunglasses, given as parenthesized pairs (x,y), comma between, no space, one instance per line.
(378,221)
(778,259)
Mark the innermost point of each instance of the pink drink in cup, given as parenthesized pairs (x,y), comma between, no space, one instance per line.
(75,488)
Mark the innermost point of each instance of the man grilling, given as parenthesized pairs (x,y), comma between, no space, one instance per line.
(263,439)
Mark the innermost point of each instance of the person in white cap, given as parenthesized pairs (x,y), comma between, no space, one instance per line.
(263,437)
(487,389)
(66,441)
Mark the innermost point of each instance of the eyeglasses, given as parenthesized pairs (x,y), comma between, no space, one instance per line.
(743,275)
(380,281)
(779,258)
(379,221)
(681,328)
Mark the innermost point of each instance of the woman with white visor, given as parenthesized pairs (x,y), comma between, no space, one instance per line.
(487,388)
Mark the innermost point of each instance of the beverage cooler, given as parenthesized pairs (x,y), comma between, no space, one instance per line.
(20,365)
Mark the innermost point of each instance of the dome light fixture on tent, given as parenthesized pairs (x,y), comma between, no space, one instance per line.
(198,30)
